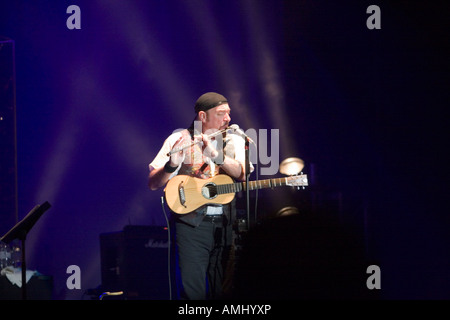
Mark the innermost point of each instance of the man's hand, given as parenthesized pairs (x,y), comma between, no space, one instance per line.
(208,150)
(177,157)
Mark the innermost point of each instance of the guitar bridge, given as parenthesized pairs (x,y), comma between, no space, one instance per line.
(181,194)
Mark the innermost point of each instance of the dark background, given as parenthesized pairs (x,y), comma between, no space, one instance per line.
(365,109)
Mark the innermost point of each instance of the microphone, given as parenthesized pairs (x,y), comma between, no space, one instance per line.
(239,131)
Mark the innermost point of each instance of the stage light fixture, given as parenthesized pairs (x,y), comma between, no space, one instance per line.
(287,211)
(291,166)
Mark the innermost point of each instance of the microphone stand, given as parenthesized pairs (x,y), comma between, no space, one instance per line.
(247,175)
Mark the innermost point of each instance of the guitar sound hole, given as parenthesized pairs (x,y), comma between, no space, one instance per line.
(209,190)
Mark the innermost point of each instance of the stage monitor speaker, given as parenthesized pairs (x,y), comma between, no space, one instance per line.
(135,261)
(39,287)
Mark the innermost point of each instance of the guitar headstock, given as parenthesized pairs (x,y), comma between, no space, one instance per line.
(297,181)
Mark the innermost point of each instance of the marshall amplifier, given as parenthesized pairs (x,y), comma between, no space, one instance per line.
(135,261)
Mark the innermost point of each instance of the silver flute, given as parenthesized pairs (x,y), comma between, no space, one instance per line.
(233,127)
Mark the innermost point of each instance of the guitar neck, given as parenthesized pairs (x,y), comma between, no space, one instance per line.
(253,185)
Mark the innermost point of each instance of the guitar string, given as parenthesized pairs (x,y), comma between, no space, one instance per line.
(236,187)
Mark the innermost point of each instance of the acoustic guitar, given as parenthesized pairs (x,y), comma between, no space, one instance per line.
(185,194)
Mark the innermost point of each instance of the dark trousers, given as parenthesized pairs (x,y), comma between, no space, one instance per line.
(202,253)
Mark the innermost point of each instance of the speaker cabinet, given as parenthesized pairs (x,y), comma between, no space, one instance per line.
(136,261)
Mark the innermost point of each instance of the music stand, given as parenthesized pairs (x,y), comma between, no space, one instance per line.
(20,231)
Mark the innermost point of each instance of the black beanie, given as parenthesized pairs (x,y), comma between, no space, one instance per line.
(208,101)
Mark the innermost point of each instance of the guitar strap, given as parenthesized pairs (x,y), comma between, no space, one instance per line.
(203,167)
